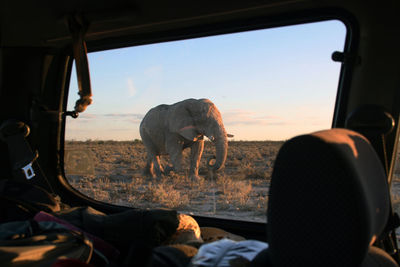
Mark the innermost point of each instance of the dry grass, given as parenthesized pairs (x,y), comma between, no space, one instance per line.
(167,195)
(239,190)
(236,193)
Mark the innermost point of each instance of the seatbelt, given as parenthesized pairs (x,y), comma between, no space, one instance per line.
(376,124)
(13,132)
(22,158)
(78,27)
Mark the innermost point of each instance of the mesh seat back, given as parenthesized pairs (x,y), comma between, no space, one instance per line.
(328,198)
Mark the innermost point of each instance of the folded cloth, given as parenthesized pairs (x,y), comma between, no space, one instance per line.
(147,227)
(99,244)
(211,234)
(227,253)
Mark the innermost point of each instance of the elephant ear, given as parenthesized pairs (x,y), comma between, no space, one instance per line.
(189,132)
(181,122)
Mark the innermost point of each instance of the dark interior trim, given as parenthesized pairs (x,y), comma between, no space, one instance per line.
(226,27)
(250,229)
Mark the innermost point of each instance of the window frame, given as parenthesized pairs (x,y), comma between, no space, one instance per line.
(252,229)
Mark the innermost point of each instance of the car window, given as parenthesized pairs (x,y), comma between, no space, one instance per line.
(395,188)
(252,90)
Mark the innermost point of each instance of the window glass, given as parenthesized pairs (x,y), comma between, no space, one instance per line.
(395,188)
(267,85)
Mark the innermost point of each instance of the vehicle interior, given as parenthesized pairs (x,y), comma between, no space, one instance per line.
(331,198)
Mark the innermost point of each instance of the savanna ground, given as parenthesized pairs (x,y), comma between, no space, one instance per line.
(240,190)
(112,171)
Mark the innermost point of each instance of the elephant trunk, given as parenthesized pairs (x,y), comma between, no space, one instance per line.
(221,149)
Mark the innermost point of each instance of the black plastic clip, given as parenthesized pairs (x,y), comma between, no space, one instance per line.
(73,114)
(345,57)
(13,132)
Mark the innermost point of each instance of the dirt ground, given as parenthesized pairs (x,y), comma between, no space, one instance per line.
(112,172)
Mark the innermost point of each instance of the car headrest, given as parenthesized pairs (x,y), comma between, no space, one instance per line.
(328,199)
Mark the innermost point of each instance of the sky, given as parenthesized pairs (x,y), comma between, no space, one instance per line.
(269,84)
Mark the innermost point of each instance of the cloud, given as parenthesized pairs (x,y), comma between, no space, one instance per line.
(84,117)
(153,71)
(124,115)
(244,117)
(129,117)
(90,117)
(131,88)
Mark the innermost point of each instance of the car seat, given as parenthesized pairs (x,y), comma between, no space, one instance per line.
(329,201)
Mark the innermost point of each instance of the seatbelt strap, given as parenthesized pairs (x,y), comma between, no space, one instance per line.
(22,158)
(376,124)
(78,27)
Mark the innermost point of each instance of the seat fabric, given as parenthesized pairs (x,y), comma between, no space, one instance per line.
(328,199)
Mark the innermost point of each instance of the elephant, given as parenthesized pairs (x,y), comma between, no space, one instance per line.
(169,129)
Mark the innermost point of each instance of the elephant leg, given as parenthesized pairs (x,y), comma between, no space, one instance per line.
(195,156)
(174,148)
(176,159)
(149,169)
(153,166)
(157,166)
(168,169)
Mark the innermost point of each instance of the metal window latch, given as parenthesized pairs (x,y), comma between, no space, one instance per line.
(345,58)
(73,114)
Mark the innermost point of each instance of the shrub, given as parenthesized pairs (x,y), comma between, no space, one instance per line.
(166,195)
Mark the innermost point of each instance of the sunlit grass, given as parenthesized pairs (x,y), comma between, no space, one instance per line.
(240,188)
